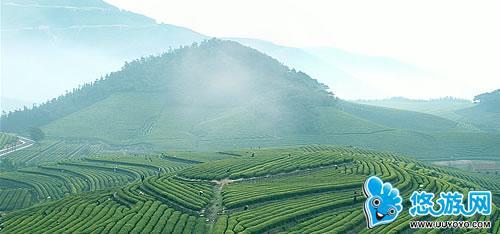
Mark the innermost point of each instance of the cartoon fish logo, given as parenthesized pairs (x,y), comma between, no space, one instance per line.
(383,203)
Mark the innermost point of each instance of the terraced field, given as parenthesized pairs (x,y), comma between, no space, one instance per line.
(98,213)
(6,139)
(309,189)
(54,181)
(49,151)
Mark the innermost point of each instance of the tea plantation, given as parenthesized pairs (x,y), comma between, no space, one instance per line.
(303,189)
(6,139)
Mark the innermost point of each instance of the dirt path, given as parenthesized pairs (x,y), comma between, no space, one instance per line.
(215,205)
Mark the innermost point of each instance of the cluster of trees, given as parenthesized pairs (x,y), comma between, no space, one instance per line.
(491,100)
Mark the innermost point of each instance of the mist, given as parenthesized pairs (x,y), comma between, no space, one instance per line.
(37,73)
(63,45)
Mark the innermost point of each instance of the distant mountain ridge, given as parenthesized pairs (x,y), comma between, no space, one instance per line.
(443,107)
(92,38)
(482,114)
(350,75)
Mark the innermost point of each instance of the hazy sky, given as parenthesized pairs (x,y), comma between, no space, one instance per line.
(458,40)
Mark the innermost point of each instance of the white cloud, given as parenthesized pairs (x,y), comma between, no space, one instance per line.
(456,39)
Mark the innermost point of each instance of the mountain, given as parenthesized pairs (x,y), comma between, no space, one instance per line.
(350,75)
(481,115)
(92,38)
(485,114)
(89,37)
(443,107)
(212,78)
(401,119)
(342,83)
(220,94)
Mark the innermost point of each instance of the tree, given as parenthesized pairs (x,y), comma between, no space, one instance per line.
(36,134)
(492,98)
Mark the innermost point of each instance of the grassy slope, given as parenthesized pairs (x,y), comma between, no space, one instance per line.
(444,108)
(118,118)
(483,118)
(402,119)
(145,118)
(127,118)
(467,114)
(258,102)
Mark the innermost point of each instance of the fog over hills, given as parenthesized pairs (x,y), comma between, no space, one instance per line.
(351,75)
(220,94)
(143,127)
(92,38)
(66,43)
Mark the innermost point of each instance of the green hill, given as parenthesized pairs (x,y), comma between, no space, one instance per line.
(402,119)
(485,114)
(219,95)
(186,91)
(443,107)
(481,115)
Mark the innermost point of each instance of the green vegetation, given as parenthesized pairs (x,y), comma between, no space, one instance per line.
(6,139)
(98,213)
(485,114)
(262,163)
(489,100)
(262,160)
(36,134)
(443,107)
(53,181)
(253,80)
(482,115)
(51,150)
(182,194)
(12,199)
(319,192)
(159,103)
(408,120)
